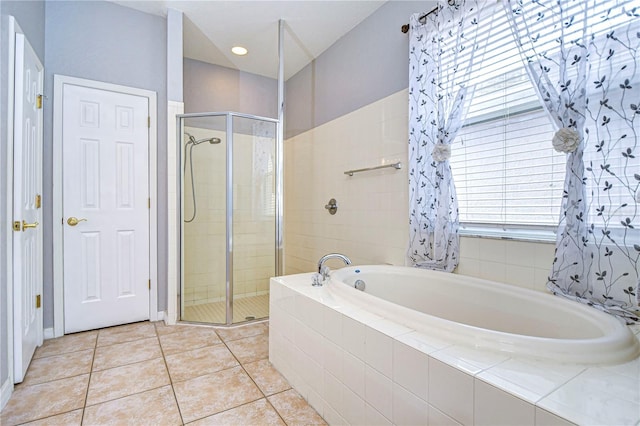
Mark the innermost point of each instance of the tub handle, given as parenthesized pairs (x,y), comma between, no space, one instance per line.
(317,280)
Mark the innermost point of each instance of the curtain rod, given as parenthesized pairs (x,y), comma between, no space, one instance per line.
(405,27)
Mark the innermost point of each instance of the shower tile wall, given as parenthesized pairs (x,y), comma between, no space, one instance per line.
(371,225)
(205,237)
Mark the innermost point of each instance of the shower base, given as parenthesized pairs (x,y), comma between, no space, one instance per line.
(244,309)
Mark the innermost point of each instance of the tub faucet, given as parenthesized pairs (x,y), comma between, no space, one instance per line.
(323,271)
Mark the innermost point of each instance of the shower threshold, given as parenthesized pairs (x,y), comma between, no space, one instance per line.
(250,308)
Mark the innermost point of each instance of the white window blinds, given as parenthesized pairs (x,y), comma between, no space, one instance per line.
(504,166)
(505,169)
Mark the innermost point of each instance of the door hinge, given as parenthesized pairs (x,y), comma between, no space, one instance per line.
(39,101)
(38,304)
(38,201)
(149,203)
(148,121)
(17,225)
(149,284)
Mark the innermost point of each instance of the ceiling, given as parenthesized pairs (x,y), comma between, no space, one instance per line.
(212,28)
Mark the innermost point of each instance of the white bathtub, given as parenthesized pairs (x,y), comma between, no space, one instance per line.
(485,353)
(487,315)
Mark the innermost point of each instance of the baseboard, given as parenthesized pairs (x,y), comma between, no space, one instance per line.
(48,333)
(5,392)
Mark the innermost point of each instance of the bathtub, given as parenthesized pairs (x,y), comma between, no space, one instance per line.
(487,315)
(420,347)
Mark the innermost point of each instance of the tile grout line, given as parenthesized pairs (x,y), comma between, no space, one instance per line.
(86,396)
(222,341)
(264,396)
(254,382)
(164,359)
(62,378)
(95,349)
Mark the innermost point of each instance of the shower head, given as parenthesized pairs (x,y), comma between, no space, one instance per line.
(212,141)
(193,140)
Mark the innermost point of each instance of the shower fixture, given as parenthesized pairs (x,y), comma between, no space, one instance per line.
(193,140)
(190,144)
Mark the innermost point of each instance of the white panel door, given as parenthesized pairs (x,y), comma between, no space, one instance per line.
(27,215)
(105,208)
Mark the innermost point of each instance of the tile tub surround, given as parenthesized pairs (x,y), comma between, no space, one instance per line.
(354,367)
(170,375)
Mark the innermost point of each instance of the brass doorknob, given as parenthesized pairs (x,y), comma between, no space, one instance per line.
(73,221)
(26,225)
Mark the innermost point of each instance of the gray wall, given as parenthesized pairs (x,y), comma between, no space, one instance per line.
(30,17)
(174,55)
(210,88)
(106,42)
(367,64)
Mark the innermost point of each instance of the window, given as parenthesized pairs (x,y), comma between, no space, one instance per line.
(507,174)
(505,169)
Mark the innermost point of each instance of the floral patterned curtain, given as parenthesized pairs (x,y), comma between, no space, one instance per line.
(582,57)
(441,56)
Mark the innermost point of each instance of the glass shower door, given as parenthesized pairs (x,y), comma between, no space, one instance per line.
(204,173)
(254,216)
(229,240)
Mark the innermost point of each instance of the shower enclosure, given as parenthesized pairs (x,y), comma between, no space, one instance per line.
(230,216)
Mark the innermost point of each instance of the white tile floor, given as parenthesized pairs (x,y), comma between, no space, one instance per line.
(148,373)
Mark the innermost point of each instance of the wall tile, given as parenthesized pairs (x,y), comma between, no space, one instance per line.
(493,271)
(493,407)
(354,408)
(544,254)
(353,334)
(310,373)
(529,379)
(545,418)
(333,391)
(451,391)
(520,253)
(410,369)
(332,417)
(379,351)
(468,266)
(332,325)
(493,250)
(438,418)
(597,396)
(521,276)
(309,341)
(353,373)
(374,418)
(470,247)
(308,186)
(333,355)
(468,359)
(379,391)
(408,409)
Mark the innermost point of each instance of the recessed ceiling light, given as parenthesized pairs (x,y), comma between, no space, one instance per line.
(239,50)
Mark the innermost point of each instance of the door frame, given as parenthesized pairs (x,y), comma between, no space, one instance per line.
(58,262)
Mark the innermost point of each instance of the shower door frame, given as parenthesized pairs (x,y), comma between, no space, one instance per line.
(278,246)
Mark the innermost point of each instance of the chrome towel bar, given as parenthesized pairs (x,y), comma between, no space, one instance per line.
(396,166)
